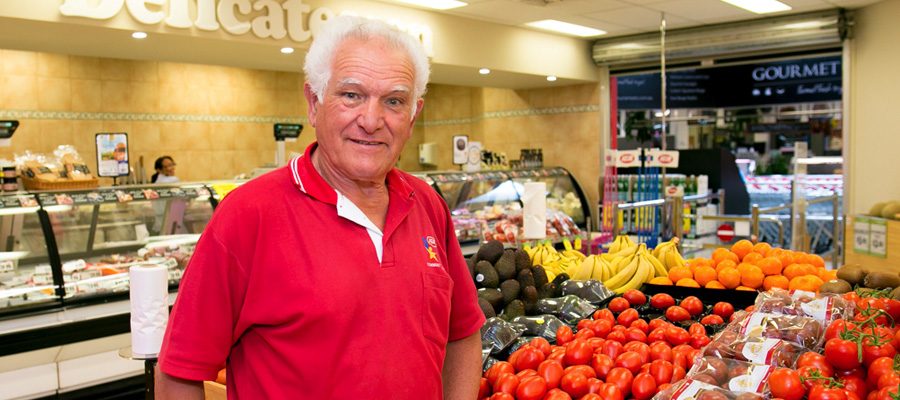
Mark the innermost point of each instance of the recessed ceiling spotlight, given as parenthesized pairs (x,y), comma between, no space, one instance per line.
(484,71)
(139,35)
(551,78)
(287,50)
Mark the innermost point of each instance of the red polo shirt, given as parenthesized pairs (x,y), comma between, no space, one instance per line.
(294,297)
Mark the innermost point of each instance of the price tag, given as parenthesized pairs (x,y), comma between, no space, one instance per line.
(861,235)
(878,238)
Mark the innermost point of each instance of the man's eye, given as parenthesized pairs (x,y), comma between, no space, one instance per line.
(351,95)
(395,102)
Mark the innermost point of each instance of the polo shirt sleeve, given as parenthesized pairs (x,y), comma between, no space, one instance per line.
(202,326)
(465,315)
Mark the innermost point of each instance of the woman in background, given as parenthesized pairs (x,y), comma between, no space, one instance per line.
(165,171)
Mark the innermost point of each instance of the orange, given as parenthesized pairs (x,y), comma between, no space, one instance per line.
(725,264)
(704,275)
(730,277)
(661,280)
(784,256)
(792,271)
(718,253)
(687,282)
(809,283)
(816,261)
(695,263)
(753,277)
(800,257)
(743,267)
(761,248)
(745,288)
(678,273)
(752,258)
(770,265)
(724,255)
(714,285)
(776,281)
(741,248)
(827,275)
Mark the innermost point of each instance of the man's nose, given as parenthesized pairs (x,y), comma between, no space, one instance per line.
(371,116)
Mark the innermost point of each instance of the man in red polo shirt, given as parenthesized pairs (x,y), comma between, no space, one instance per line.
(337,276)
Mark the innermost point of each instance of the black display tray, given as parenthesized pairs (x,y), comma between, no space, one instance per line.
(740,299)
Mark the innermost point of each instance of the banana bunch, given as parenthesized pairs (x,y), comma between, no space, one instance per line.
(633,270)
(667,254)
(543,255)
(592,267)
(621,243)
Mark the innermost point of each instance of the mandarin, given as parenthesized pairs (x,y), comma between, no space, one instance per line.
(687,282)
(723,256)
(704,275)
(725,264)
(749,289)
(678,273)
(792,271)
(752,258)
(809,283)
(695,263)
(800,257)
(753,277)
(770,265)
(741,248)
(816,261)
(784,256)
(730,277)
(714,285)
(776,281)
(826,274)
(761,248)
(661,280)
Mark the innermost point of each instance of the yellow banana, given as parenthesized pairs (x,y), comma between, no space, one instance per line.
(626,273)
(640,277)
(673,259)
(658,268)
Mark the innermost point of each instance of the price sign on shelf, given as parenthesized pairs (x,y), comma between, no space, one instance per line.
(878,238)
(861,235)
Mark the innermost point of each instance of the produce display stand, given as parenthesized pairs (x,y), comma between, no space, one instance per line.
(891,260)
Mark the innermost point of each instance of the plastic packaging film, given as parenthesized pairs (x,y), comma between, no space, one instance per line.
(534,211)
(149,307)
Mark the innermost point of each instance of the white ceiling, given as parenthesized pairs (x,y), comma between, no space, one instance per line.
(617,17)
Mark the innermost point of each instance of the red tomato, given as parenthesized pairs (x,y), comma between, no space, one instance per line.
(871,352)
(661,371)
(601,327)
(838,326)
(604,314)
(627,317)
(892,306)
(558,356)
(806,376)
(564,335)
(557,394)
(602,364)
(594,386)
(676,335)
(612,349)
(541,344)
(676,314)
(657,335)
(816,360)
(890,379)
(617,336)
(618,305)
(506,383)
(662,301)
(693,305)
(552,372)
(842,353)
(678,373)
(851,297)
(584,334)
(529,358)
(723,309)
(643,386)
(578,352)
(661,351)
(629,360)
(870,303)
(498,369)
(712,319)
(696,329)
(680,360)
(635,297)
(658,323)
(642,325)
(596,342)
(619,328)
(880,367)
(642,349)
(585,370)
(820,392)
(699,340)
(582,324)
(855,384)
(526,373)
(609,391)
(484,389)
(575,384)
(635,335)
(785,383)
(502,396)
(531,388)
(622,378)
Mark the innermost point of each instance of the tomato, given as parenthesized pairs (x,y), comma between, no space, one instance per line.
(661,301)
(838,326)
(601,327)
(693,305)
(785,383)
(892,306)
(858,372)
(541,344)
(502,396)
(813,359)
(676,314)
(661,351)
(617,336)
(506,383)
(622,378)
(557,394)
(635,297)
(870,303)
(712,319)
(531,388)
(696,329)
(661,371)
(609,391)
(529,358)
(820,392)
(657,335)
(855,385)
(594,386)
(880,367)
(842,353)
(584,334)
(526,373)
(578,352)
(575,384)
(806,376)
(564,335)
(618,305)
(680,360)
(676,335)
(559,356)
(888,393)
(585,370)
(635,335)
(890,379)
(591,396)
(499,368)
(723,309)
(658,323)
(851,297)
(642,325)
(484,389)
(699,340)
(871,352)
(552,373)
(602,364)
(612,349)
(629,360)
(582,324)
(643,387)
(642,349)
(627,317)
(678,373)
(604,314)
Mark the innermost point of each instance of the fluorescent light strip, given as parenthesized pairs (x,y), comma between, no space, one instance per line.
(436,4)
(760,6)
(565,27)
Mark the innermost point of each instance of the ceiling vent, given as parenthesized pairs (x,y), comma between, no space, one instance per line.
(779,35)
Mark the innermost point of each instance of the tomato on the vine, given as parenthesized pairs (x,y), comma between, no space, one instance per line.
(838,326)
(842,353)
(816,360)
(819,392)
(785,383)
(807,376)
(855,385)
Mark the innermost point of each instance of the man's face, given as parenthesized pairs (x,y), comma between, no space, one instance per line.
(367,111)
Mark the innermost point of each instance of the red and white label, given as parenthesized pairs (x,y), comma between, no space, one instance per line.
(725,232)
(690,389)
(753,323)
(796,294)
(754,381)
(761,352)
(819,310)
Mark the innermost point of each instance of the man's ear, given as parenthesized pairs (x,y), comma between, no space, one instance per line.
(313,101)
(419,104)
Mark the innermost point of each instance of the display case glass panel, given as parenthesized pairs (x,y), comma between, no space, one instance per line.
(26,277)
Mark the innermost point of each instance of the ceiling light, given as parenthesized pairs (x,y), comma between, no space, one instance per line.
(138,35)
(565,27)
(551,78)
(436,4)
(484,71)
(287,50)
(760,6)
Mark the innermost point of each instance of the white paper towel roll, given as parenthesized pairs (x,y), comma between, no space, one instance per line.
(534,211)
(149,307)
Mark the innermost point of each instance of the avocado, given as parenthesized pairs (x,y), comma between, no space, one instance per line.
(881,280)
(525,278)
(514,309)
(486,275)
(854,274)
(486,308)
(529,299)
(493,296)
(510,289)
(490,251)
(546,291)
(470,262)
(540,275)
(522,259)
(836,286)
(506,265)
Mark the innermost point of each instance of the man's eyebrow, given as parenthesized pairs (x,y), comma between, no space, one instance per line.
(350,81)
(400,89)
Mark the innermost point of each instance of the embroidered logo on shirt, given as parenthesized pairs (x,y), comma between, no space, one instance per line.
(431,248)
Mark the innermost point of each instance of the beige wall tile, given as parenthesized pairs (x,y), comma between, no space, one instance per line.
(264,79)
(146,137)
(197,100)
(243,161)
(218,76)
(145,97)
(172,98)
(86,95)
(289,81)
(27,137)
(144,71)
(20,92)
(83,138)
(171,73)
(175,136)
(221,136)
(55,133)
(199,134)
(53,65)
(196,75)
(493,99)
(289,103)
(84,67)
(113,69)
(54,94)
(116,96)
(221,100)
(262,101)
(14,62)
(240,78)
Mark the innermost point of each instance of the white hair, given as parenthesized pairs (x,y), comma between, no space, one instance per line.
(319,57)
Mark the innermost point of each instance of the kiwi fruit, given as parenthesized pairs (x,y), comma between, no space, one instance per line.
(510,289)
(506,265)
(875,211)
(891,210)
(836,286)
(485,275)
(522,259)
(540,276)
(525,278)
(854,274)
(490,251)
(881,280)
(486,308)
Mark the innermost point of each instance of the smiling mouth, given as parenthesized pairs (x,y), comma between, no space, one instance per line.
(365,143)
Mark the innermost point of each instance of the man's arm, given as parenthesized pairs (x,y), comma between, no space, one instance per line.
(169,387)
(462,368)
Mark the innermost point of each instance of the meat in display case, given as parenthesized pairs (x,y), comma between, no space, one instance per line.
(487,205)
